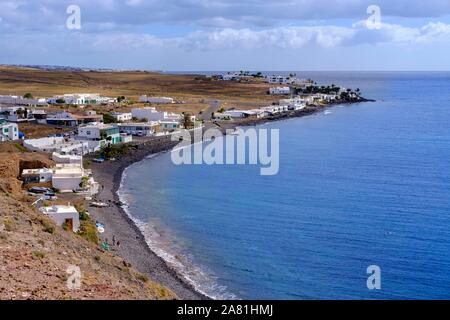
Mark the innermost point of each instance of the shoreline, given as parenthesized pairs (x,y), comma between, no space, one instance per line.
(134,247)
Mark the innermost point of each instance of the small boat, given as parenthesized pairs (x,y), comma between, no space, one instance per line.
(99,204)
(327,112)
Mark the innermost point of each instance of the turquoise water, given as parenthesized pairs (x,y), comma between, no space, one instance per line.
(365,184)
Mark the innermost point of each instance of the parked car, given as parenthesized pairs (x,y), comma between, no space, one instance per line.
(99,160)
(39,190)
(50,197)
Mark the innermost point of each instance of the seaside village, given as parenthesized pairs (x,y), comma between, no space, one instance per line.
(86,131)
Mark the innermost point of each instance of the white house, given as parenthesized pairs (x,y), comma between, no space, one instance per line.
(148,114)
(67,158)
(39,115)
(280,90)
(296,103)
(98,132)
(234,113)
(151,114)
(57,144)
(62,119)
(287,80)
(324,97)
(257,113)
(274,109)
(122,116)
(231,76)
(143,129)
(8,131)
(41,175)
(81,99)
(16,114)
(278,79)
(67,177)
(63,215)
(156,100)
(169,125)
(18,100)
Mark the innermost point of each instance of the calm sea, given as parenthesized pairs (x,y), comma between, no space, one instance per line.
(361,185)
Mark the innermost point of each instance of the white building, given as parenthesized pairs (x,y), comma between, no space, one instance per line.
(156,100)
(151,114)
(122,116)
(39,115)
(278,79)
(67,158)
(234,113)
(8,131)
(81,99)
(169,125)
(287,80)
(143,129)
(324,97)
(18,100)
(16,114)
(256,113)
(126,138)
(280,90)
(57,144)
(63,215)
(62,119)
(296,103)
(274,109)
(231,76)
(41,175)
(67,177)
(108,132)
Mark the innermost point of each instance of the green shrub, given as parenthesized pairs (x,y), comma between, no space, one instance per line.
(38,254)
(88,231)
(142,277)
(83,215)
(49,228)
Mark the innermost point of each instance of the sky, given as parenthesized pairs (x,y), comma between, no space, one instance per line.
(219,35)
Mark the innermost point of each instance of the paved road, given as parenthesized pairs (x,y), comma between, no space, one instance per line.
(213,107)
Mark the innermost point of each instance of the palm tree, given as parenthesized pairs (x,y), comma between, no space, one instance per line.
(187,121)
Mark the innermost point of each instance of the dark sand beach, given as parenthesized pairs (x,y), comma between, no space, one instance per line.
(133,247)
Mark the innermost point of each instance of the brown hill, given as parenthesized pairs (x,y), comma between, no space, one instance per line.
(35,254)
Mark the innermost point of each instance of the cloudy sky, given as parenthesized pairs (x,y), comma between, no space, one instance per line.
(228,34)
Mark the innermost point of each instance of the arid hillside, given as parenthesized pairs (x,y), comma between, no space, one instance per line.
(36,255)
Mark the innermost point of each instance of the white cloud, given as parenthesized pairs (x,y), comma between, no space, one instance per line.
(32,14)
(321,36)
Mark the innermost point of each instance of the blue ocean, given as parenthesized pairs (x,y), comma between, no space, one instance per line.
(358,185)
